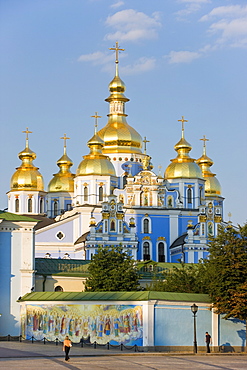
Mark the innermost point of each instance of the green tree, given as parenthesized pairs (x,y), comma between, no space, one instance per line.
(226,272)
(112,269)
(183,278)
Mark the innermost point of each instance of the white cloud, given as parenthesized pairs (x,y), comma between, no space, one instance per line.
(141,65)
(106,61)
(117,4)
(131,25)
(96,58)
(231,11)
(230,25)
(175,57)
(191,6)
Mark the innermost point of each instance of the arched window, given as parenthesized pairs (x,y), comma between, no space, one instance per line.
(17,205)
(55,208)
(169,201)
(29,205)
(101,193)
(112,225)
(146,226)
(203,229)
(41,205)
(161,252)
(189,196)
(105,226)
(120,226)
(146,251)
(85,194)
(200,194)
(58,289)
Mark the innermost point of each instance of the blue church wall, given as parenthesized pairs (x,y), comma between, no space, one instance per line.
(174,325)
(5,286)
(50,234)
(232,332)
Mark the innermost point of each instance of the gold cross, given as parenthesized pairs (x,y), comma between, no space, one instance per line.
(64,138)
(145,141)
(204,144)
(116,49)
(27,132)
(182,120)
(159,167)
(96,121)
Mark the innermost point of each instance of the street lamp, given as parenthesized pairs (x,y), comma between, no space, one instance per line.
(194,309)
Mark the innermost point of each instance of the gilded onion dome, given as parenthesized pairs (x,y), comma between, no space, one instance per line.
(212,185)
(183,166)
(95,163)
(118,135)
(64,179)
(27,176)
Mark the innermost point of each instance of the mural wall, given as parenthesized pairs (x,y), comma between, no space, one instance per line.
(101,323)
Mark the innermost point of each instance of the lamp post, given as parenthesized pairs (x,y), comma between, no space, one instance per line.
(194,309)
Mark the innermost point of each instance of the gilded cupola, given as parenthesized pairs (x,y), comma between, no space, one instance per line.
(118,135)
(27,176)
(212,185)
(183,166)
(95,163)
(64,179)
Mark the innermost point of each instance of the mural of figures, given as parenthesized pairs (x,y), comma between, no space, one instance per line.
(101,323)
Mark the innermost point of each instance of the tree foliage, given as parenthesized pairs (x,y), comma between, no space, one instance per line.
(112,269)
(227,272)
(183,279)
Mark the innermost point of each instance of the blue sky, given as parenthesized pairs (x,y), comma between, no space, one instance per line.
(182,57)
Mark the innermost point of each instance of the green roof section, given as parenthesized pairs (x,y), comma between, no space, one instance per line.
(62,267)
(14,217)
(115,296)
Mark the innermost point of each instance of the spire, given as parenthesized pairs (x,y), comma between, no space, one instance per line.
(118,136)
(64,179)
(27,176)
(183,166)
(212,185)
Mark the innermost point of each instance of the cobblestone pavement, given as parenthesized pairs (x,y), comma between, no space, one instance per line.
(24,356)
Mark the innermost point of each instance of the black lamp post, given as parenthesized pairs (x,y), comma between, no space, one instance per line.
(194,309)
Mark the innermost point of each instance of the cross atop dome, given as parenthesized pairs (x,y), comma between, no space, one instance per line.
(64,143)
(204,139)
(182,120)
(145,141)
(27,132)
(96,122)
(116,49)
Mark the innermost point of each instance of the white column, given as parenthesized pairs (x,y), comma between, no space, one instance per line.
(215,328)
(148,323)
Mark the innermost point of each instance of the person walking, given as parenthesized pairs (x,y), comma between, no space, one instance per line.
(66,347)
(208,341)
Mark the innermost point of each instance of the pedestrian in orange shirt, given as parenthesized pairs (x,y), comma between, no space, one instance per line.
(66,347)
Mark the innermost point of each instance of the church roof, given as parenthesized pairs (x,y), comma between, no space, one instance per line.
(7,216)
(57,266)
(115,296)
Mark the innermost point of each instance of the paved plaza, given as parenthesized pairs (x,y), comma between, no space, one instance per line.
(38,356)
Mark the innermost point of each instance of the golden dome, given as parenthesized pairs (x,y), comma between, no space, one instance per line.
(212,185)
(183,166)
(118,135)
(95,163)
(27,176)
(64,179)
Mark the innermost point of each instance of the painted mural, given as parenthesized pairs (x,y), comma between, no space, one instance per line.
(101,323)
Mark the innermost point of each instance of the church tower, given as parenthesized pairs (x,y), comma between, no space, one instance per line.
(122,143)
(95,176)
(185,175)
(212,213)
(61,187)
(27,195)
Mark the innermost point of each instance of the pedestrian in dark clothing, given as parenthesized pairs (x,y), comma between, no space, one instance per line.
(66,347)
(208,341)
